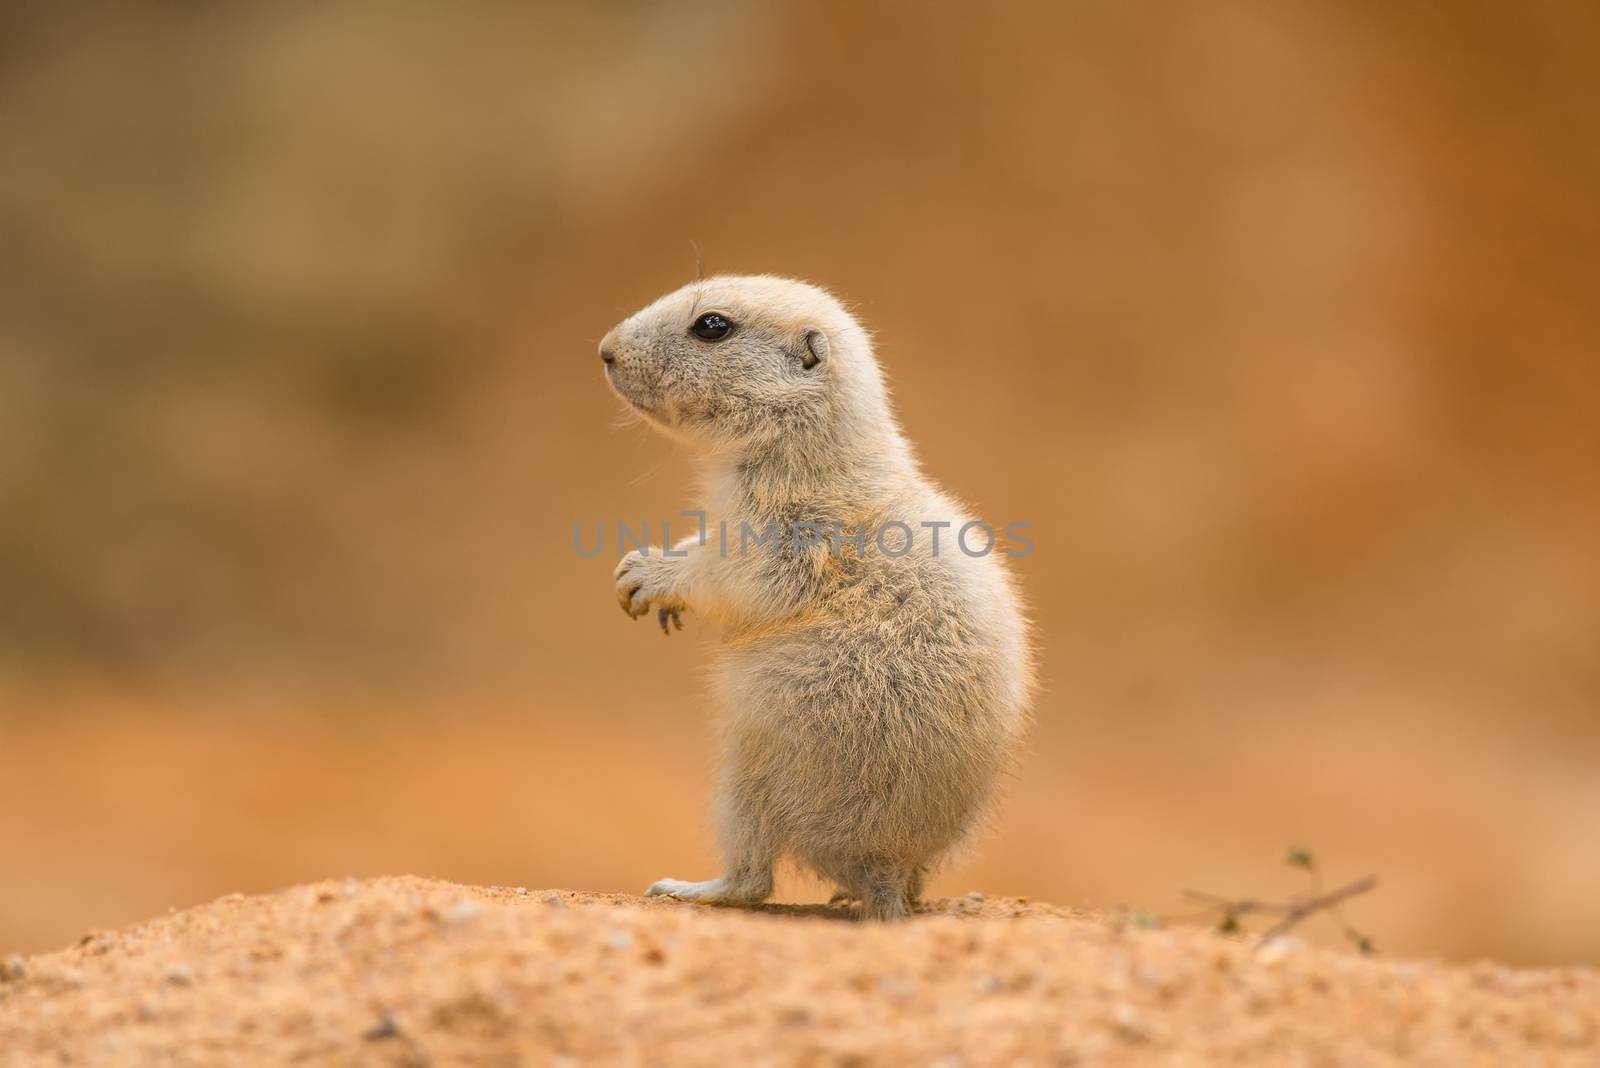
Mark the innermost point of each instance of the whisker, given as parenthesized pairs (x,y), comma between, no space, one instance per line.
(642,476)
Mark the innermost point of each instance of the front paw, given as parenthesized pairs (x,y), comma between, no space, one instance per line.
(644,582)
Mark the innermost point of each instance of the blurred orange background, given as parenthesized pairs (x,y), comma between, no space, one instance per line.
(1277,321)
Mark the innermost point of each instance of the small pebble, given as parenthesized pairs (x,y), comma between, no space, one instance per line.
(180,975)
(1130,1026)
(897,987)
(13,969)
(98,941)
(1275,951)
(461,911)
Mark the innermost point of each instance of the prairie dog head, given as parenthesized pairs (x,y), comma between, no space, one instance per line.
(739,361)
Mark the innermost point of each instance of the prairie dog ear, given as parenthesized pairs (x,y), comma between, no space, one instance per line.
(816,348)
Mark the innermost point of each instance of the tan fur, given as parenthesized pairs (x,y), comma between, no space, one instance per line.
(871,701)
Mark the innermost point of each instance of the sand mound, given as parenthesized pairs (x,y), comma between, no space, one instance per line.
(410,971)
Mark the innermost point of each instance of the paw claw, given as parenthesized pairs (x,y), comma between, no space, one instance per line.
(645,584)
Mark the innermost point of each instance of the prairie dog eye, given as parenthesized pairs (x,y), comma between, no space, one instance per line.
(711,327)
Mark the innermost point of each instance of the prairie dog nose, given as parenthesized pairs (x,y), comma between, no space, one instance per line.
(608,349)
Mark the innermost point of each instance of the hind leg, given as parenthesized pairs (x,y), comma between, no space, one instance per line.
(741,885)
(913,894)
(748,881)
(914,883)
(750,855)
(885,891)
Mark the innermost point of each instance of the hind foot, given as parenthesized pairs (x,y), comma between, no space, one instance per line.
(885,903)
(913,893)
(711,892)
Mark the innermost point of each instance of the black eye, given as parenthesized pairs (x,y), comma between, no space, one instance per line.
(711,327)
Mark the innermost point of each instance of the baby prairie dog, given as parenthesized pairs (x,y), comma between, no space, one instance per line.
(872,692)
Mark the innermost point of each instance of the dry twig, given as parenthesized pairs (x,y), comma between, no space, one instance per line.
(1292,912)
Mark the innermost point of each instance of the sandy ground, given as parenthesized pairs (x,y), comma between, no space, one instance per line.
(406,971)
